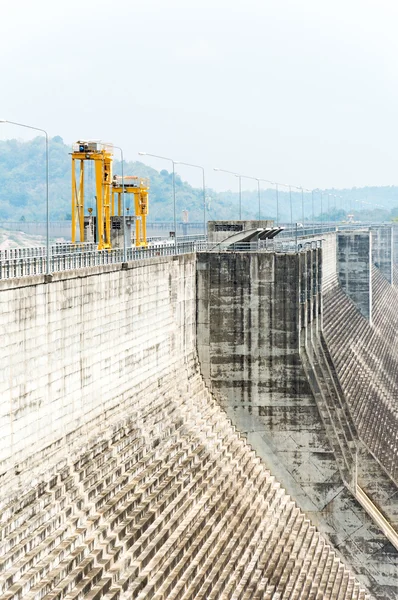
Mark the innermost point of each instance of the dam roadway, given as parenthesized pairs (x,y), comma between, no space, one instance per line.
(207,424)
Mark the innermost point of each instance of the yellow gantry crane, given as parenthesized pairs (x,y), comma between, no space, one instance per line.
(138,186)
(106,187)
(102,156)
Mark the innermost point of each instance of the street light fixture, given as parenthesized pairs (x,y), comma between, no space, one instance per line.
(240,187)
(286,185)
(312,207)
(124,207)
(48,271)
(277,198)
(258,190)
(277,203)
(258,179)
(321,211)
(180,162)
(174,191)
(300,187)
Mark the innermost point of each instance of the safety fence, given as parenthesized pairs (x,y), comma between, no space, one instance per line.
(35,262)
(26,262)
(23,262)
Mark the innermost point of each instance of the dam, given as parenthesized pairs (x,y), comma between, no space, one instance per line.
(202,422)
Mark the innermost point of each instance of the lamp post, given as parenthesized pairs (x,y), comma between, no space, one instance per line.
(321,212)
(174,191)
(240,187)
(302,201)
(312,207)
(272,183)
(124,207)
(277,203)
(180,162)
(48,271)
(258,190)
(329,207)
(258,179)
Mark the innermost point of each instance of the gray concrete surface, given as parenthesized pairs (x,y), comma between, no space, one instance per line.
(259,327)
(90,355)
(383,251)
(75,349)
(354,256)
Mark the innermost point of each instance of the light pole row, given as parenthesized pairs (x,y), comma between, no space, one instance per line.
(48,252)
(240,176)
(180,162)
(276,184)
(48,270)
(174,162)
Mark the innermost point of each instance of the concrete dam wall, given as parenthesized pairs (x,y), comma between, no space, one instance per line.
(122,475)
(76,349)
(264,355)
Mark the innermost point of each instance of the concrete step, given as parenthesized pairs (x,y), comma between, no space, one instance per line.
(210,541)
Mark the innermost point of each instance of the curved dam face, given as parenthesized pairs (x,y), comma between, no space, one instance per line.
(279,374)
(122,475)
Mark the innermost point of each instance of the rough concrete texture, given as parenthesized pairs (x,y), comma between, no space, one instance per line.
(263,354)
(354,256)
(329,261)
(382,251)
(126,479)
(395,245)
(366,361)
(74,351)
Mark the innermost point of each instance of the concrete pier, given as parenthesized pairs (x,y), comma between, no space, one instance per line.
(383,251)
(355,255)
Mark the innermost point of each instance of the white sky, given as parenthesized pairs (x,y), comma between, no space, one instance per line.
(303,92)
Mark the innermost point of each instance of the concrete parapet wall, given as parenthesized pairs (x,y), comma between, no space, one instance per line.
(395,244)
(329,259)
(252,308)
(75,349)
(354,256)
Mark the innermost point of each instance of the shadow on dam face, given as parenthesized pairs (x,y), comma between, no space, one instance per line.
(264,355)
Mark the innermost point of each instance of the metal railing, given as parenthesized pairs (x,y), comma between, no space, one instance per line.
(288,245)
(308,230)
(24,262)
(35,262)
(13,253)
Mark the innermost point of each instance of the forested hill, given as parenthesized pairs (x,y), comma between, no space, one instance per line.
(22,191)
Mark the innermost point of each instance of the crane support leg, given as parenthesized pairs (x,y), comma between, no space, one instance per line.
(100,214)
(74,201)
(80,204)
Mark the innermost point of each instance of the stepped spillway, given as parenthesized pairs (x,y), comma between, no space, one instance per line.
(366,361)
(171,503)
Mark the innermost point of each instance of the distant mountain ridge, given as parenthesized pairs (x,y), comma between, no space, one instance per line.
(22,192)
